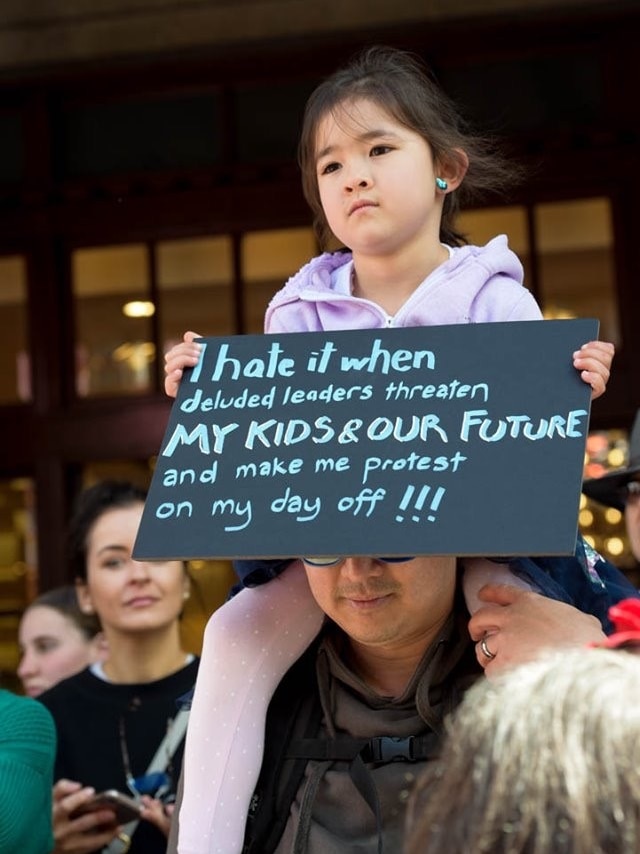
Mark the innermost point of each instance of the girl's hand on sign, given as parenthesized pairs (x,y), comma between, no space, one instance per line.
(180,356)
(593,360)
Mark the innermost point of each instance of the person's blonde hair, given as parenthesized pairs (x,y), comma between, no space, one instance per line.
(546,760)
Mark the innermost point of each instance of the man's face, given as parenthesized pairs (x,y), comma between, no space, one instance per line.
(389,606)
(632,519)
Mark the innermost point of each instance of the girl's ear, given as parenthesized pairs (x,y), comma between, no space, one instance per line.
(453,168)
(84,597)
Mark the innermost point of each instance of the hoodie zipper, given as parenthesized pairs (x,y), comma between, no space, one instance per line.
(318,296)
(388,320)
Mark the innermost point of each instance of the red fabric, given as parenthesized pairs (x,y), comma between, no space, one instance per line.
(626,619)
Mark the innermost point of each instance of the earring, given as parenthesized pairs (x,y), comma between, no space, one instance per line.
(441,184)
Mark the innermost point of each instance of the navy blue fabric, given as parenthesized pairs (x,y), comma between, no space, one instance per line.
(585,580)
(256,571)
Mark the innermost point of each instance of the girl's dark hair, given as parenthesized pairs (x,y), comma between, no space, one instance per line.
(401,84)
(65,601)
(89,507)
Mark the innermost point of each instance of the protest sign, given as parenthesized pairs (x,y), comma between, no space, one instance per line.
(465,440)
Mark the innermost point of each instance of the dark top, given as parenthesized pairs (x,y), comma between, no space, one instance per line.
(311,798)
(87,712)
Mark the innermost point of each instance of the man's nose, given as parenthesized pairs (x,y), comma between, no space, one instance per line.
(361,567)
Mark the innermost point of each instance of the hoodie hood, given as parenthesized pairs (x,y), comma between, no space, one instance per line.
(477,284)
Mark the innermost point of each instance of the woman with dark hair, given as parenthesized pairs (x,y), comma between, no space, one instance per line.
(118,723)
(56,640)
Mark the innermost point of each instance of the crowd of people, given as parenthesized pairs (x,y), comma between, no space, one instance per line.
(341,703)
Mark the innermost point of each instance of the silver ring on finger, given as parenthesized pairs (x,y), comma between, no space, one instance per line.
(485,649)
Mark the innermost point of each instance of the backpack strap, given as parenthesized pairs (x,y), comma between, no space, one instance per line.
(293,723)
(362,752)
(377,751)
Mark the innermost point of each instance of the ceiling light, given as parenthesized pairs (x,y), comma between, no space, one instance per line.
(138,308)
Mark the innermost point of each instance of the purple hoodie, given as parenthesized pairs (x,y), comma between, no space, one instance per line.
(478,284)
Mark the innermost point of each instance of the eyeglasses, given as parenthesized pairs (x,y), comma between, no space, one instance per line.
(332,560)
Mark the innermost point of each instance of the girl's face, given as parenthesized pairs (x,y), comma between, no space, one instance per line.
(52,648)
(129,596)
(376,180)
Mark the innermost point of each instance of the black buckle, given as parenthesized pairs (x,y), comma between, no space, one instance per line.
(388,748)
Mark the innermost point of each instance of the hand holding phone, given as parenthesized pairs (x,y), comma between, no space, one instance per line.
(126,809)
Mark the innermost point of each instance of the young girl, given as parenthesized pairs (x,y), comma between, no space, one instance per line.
(386,161)
(113,717)
(56,640)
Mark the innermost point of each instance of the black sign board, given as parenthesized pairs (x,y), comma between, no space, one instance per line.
(465,440)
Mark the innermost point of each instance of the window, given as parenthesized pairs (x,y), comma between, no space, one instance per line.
(570,266)
(267,120)
(574,277)
(114,351)
(480,226)
(138,135)
(126,308)
(195,278)
(11,148)
(576,270)
(563,91)
(269,258)
(15,378)
(18,574)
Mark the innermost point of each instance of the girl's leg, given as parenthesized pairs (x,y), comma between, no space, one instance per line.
(249,644)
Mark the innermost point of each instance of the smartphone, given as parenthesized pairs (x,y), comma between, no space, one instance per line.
(124,807)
